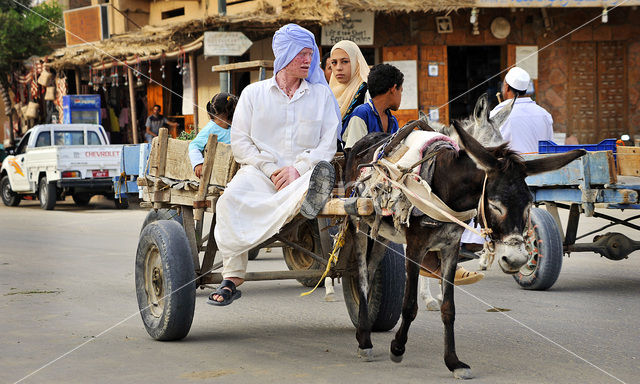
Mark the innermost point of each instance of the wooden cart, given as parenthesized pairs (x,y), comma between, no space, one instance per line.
(174,257)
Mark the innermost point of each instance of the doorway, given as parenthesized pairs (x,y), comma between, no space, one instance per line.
(471,66)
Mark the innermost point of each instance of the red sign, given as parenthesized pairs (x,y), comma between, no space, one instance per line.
(100,173)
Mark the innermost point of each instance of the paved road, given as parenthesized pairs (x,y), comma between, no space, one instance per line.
(67,306)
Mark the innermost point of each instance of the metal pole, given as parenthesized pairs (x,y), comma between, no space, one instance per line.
(194,90)
(132,106)
(224,76)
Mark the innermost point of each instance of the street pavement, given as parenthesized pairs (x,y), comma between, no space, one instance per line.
(68,314)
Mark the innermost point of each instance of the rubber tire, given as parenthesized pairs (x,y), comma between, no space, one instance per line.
(161,214)
(9,198)
(121,203)
(308,232)
(178,276)
(386,293)
(549,245)
(253,254)
(47,193)
(81,199)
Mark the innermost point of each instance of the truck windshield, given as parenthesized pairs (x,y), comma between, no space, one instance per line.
(68,138)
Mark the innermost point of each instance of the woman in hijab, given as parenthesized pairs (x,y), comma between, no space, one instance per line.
(349,71)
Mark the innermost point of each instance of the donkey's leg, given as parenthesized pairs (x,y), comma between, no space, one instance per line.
(409,305)
(448,310)
(363,331)
(432,303)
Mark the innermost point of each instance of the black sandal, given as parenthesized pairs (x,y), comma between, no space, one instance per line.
(228,296)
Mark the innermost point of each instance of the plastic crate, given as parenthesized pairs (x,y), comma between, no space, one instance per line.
(548,146)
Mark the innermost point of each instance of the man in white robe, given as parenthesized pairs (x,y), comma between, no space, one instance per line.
(283,134)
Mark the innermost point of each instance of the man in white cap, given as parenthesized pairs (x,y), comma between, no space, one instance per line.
(528,122)
(283,134)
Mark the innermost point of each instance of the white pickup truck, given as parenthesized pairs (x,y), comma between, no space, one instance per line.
(57,160)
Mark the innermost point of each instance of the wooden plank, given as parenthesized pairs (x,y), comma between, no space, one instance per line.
(628,161)
(244,66)
(599,171)
(335,207)
(162,151)
(209,157)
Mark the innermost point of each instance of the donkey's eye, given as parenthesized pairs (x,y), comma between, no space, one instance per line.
(496,206)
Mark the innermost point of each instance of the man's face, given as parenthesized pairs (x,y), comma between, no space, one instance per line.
(299,66)
(396,97)
(156,111)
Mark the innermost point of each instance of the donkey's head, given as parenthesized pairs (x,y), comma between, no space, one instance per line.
(507,199)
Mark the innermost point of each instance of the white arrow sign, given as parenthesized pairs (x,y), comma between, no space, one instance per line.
(225,43)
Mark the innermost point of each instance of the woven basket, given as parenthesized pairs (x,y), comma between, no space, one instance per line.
(32,110)
(45,78)
(50,94)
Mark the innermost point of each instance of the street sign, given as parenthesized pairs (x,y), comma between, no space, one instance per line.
(225,43)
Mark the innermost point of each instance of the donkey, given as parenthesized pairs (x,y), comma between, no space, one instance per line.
(486,130)
(458,180)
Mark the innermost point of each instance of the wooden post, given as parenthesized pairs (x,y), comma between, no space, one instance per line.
(163,144)
(76,73)
(132,106)
(194,90)
(205,177)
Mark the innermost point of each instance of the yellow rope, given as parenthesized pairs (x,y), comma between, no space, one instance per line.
(333,258)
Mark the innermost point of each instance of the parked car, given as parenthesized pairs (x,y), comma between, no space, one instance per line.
(53,161)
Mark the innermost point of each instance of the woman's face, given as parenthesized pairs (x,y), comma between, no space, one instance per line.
(341,66)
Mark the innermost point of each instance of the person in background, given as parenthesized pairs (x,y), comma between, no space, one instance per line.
(385,87)
(155,122)
(349,71)
(326,66)
(220,110)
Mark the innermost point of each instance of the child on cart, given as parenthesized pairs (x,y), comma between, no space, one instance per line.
(220,110)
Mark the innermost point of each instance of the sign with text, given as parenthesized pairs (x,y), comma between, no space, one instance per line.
(358,27)
(85,25)
(527,59)
(409,69)
(225,43)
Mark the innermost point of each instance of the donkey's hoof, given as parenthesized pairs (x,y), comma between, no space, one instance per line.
(462,373)
(396,358)
(330,297)
(433,305)
(365,354)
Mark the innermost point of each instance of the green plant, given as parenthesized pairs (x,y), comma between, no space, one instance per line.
(184,135)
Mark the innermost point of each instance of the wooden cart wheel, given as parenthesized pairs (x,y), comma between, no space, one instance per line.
(165,280)
(309,238)
(545,253)
(385,294)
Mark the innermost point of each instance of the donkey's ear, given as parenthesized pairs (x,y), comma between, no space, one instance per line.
(484,159)
(551,163)
(481,110)
(501,116)
(422,116)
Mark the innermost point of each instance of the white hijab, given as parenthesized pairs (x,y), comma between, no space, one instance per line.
(344,93)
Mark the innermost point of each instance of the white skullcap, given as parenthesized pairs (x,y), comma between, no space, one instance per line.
(518,78)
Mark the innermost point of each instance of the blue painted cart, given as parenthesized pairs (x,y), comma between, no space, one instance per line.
(578,187)
(132,164)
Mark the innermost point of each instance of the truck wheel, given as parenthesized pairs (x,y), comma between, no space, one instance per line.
(46,194)
(81,199)
(308,237)
(165,280)
(386,292)
(121,203)
(545,250)
(161,214)
(9,198)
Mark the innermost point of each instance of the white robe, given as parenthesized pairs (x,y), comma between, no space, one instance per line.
(271,131)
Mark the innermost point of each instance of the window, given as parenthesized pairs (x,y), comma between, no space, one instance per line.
(173,13)
(68,138)
(93,138)
(22,147)
(44,139)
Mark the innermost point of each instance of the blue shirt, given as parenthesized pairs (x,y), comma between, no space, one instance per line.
(365,115)
(197,145)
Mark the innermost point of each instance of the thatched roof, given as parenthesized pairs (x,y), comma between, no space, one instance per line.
(153,40)
(404,6)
